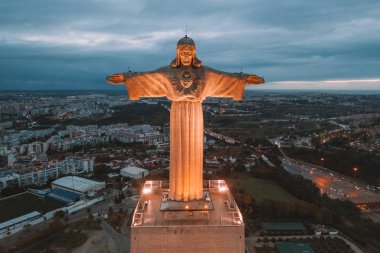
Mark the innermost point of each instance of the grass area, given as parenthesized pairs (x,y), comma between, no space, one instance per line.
(260,189)
(71,240)
(25,203)
(65,242)
(85,224)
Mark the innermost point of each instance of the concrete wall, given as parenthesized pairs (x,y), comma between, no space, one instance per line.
(188,239)
(19,226)
(82,204)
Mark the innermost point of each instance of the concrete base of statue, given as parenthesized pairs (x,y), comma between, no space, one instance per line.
(211,224)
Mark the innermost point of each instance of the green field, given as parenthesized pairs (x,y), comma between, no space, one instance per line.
(25,203)
(260,189)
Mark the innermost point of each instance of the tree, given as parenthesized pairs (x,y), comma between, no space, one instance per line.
(59,214)
(88,211)
(66,219)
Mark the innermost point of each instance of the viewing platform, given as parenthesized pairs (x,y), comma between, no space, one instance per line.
(217,207)
(211,224)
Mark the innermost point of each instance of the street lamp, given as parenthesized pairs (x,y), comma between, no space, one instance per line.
(355,170)
(322,160)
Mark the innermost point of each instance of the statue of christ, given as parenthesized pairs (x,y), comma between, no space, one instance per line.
(186,82)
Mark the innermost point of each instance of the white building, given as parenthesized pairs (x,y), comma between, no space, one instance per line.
(9,180)
(78,185)
(86,164)
(37,176)
(7,157)
(134,172)
(17,224)
(77,165)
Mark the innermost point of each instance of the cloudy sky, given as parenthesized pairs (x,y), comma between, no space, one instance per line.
(294,44)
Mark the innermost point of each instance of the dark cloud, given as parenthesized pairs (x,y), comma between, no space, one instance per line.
(75,44)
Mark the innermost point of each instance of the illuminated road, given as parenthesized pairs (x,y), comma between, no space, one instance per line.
(334,185)
(222,137)
(374,215)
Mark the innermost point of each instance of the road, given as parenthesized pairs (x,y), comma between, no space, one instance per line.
(331,183)
(222,137)
(373,214)
(336,186)
(122,243)
(103,207)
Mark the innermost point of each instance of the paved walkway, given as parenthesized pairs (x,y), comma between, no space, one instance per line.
(122,243)
(97,242)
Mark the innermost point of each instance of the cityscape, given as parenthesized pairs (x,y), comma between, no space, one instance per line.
(189,126)
(81,158)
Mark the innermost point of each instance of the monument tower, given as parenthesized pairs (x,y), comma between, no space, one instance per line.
(188,214)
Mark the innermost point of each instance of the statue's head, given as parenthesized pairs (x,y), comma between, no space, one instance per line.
(186,54)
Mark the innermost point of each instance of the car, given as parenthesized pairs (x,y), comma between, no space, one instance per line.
(371,187)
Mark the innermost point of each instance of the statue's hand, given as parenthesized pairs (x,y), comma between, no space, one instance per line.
(253,79)
(116,79)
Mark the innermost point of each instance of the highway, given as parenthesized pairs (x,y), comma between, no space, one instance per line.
(122,243)
(336,186)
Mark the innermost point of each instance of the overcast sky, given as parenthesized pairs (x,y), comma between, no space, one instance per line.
(297,44)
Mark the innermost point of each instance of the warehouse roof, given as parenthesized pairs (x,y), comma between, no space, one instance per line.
(19,219)
(133,170)
(76,183)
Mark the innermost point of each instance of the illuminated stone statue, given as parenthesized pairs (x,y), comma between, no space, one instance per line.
(186,82)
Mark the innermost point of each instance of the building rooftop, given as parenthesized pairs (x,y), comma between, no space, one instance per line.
(76,183)
(64,196)
(19,219)
(133,169)
(217,207)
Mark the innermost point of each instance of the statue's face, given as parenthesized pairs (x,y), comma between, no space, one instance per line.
(186,55)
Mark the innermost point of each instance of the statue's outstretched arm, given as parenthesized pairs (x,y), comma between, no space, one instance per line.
(123,78)
(254,80)
(116,79)
(248,78)
(225,84)
(142,84)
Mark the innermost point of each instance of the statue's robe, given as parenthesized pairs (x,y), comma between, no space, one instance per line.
(186,87)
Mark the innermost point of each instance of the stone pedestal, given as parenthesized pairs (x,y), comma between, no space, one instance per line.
(213,224)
